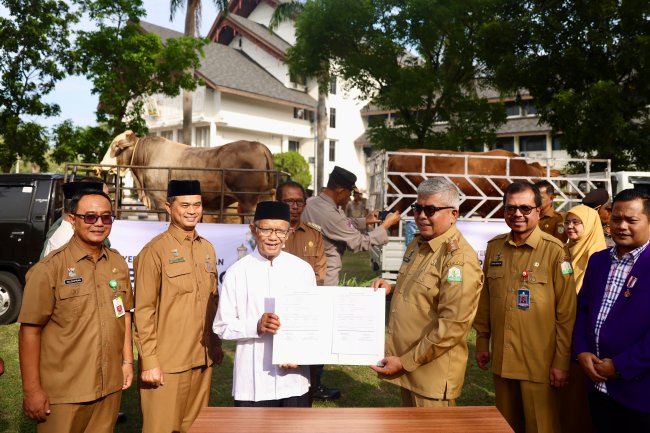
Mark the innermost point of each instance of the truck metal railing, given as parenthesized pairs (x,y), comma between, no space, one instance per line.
(124,188)
(481,195)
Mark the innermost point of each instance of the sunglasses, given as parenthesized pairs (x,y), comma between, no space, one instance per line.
(524,209)
(92,218)
(428,210)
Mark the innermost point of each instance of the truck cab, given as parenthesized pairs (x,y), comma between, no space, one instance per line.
(30,203)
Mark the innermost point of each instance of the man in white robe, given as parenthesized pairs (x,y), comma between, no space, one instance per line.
(245,314)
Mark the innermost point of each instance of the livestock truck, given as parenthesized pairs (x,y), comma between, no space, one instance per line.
(481,179)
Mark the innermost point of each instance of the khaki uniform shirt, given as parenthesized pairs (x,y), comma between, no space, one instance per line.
(552,222)
(306,242)
(81,341)
(175,301)
(526,343)
(431,313)
(340,232)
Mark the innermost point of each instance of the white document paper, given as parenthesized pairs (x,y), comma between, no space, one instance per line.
(330,325)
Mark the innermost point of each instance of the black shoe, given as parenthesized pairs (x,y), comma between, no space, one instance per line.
(121,417)
(324,393)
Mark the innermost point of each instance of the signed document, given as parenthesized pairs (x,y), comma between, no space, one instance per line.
(330,325)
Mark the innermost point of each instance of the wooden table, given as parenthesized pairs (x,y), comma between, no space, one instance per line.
(480,419)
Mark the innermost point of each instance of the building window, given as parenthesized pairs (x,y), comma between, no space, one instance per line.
(333,86)
(533,143)
(203,136)
(332,150)
(298,79)
(377,120)
(294,146)
(512,109)
(169,135)
(332,117)
(179,136)
(529,108)
(300,113)
(557,143)
(505,143)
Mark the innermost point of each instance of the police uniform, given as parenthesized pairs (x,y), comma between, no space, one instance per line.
(527,310)
(306,242)
(431,312)
(175,304)
(82,339)
(339,233)
(552,222)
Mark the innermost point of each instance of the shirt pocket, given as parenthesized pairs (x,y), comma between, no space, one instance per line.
(539,287)
(495,279)
(74,300)
(179,278)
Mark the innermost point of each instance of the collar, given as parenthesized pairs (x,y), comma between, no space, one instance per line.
(259,257)
(635,253)
(181,235)
(302,226)
(327,199)
(78,253)
(436,243)
(532,240)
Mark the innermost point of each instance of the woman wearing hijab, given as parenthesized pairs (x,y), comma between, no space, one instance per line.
(585,232)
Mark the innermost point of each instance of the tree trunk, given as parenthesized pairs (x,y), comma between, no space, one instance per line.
(321,133)
(188,96)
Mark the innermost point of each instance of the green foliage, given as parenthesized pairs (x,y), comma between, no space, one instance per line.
(77,144)
(586,65)
(34,55)
(416,57)
(126,65)
(294,164)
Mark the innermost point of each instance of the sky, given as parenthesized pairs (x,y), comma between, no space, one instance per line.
(74,93)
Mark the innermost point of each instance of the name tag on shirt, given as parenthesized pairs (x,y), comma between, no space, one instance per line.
(118,307)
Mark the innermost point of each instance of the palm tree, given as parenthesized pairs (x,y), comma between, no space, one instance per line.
(289,11)
(192,24)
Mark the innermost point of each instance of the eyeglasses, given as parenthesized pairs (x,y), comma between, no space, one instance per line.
(428,210)
(91,218)
(281,234)
(292,202)
(574,223)
(524,209)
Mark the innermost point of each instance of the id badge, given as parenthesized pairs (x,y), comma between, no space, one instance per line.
(118,306)
(523,298)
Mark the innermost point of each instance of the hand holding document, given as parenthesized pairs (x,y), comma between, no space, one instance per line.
(330,325)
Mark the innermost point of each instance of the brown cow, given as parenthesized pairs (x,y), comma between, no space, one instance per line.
(486,178)
(246,173)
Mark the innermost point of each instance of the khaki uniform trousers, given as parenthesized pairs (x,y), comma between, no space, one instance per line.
(411,399)
(98,416)
(529,407)
(174,406)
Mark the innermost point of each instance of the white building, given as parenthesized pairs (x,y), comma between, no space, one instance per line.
(249,95)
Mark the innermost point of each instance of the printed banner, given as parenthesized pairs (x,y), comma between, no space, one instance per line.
(231,241)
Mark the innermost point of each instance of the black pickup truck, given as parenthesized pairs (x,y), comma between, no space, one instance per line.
(29,204)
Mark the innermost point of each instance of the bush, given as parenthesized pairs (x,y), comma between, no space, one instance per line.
(294,164)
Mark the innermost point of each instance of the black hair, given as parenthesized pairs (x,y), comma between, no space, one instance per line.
(74,201)
(521,187)
(634,194)
(290,184)
(548,186)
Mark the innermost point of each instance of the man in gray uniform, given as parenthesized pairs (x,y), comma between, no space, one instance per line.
(339,231)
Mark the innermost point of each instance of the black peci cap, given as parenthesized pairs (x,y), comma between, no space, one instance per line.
(177,188)
(70,189)
(272,210)
(596,198)
(343,178)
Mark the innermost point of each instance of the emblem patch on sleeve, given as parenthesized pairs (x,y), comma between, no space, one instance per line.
(455,274)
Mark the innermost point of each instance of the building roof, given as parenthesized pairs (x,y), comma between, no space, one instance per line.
(231,71)
(260,32)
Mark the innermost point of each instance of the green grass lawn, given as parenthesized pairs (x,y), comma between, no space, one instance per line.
(359,385)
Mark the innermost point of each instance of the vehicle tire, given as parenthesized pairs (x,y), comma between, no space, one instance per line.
(11,297)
